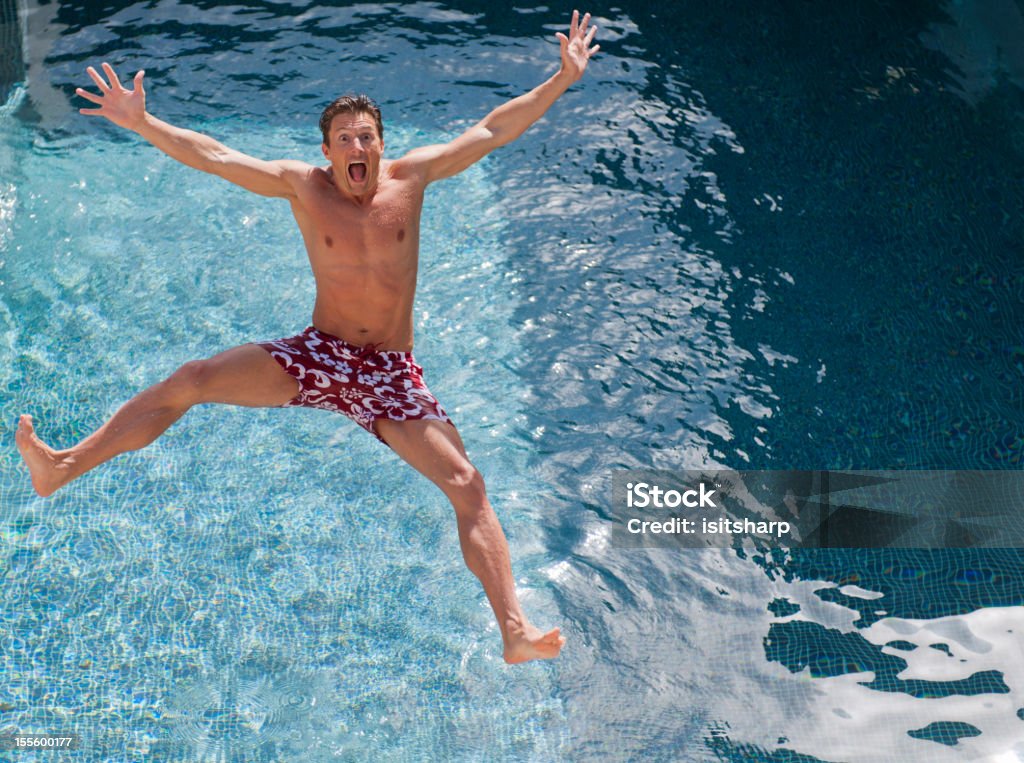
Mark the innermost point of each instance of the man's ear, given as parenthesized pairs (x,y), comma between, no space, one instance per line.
(326,150)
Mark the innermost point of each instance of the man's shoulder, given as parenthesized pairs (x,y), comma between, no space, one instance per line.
(305,177)
(297,169)
(412,163)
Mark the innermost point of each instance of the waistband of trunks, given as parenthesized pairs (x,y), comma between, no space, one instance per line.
(356,349)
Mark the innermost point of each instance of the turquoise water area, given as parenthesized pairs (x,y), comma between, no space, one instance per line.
(202,590)
(760,235)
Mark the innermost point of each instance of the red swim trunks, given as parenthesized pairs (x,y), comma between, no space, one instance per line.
(363,383)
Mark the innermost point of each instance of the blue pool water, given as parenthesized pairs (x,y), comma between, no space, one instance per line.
(756,236)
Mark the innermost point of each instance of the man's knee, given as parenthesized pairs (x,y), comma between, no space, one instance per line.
(186,386)
(464,486)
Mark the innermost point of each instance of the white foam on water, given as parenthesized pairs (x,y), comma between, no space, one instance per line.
(850,722)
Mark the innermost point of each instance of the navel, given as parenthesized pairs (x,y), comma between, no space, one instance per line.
(401,234)
(329,241)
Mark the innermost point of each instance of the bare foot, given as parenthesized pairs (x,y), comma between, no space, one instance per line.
(528,643)
(48,470)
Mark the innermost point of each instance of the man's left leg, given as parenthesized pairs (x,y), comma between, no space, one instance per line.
(435,449)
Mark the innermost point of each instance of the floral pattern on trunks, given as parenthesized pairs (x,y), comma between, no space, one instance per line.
(363,383)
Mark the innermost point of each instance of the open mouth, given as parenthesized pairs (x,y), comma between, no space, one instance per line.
(357,171)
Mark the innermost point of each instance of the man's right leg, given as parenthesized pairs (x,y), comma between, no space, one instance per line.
(244,375)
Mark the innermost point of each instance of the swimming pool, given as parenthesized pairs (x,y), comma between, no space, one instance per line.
(757,237)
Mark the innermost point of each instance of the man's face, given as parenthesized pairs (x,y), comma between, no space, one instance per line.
(355,152)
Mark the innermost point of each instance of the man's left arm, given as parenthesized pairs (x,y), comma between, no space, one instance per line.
(510,120)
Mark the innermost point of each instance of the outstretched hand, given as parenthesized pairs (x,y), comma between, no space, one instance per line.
(576,50)
(125,108)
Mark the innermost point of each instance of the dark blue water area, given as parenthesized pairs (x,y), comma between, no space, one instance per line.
(756,235)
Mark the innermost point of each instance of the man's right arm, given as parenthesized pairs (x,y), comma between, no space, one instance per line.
(274,178)
(127,109)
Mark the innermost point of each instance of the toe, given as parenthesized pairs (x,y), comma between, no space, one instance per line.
(553,637)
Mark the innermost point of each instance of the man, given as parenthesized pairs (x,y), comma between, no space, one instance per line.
(359,218)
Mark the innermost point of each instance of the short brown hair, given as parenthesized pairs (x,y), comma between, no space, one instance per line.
(350,104)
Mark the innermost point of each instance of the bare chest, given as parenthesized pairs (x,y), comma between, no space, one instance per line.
(385,227)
